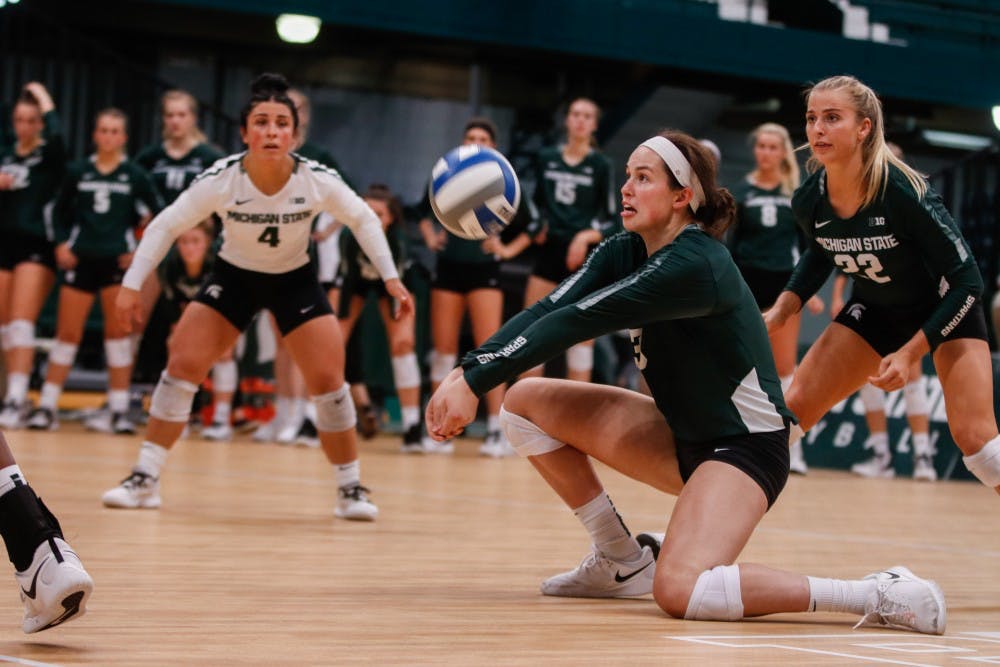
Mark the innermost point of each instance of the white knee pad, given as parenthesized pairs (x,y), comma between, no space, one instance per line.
(20,333)
(335,410)
(441,365)
(172,399)
(915,394)
(118,352)
(525,437)
(985,464)
(716,595)
(580,357)
(405,371)
(224,376)
(62,353)
(872,398)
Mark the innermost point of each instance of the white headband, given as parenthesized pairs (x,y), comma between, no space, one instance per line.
(679,166)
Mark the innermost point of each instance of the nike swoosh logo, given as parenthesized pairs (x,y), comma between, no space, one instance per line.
(892,575)
(240,202)
(721,449)
(620,579)
(306,309)
(822,224)
(34,581)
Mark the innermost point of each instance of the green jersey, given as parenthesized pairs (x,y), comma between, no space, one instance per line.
(698,335)
(901,251)
(311,151)
(765,236)
(355,267)
(25,207)
(178,286)
(569,199)
(96,213)
(172,177)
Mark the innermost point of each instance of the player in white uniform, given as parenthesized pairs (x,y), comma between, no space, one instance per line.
(266,198)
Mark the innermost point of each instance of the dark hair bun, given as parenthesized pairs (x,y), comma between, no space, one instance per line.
(269,84)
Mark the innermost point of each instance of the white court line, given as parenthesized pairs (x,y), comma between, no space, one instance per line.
(803,649)
(22,661)
(510,502)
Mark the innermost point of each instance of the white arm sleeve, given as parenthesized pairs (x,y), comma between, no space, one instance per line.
(194,205)
(347,207)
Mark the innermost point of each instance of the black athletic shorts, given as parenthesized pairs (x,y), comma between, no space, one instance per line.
(358,288)
(762,456)
(464,277)
(21,248)
(237,294)
(550,261)
(888,329)
(92,274)
(765,285)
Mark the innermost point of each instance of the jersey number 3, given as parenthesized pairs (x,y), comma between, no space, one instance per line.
(269,236)
(867,262)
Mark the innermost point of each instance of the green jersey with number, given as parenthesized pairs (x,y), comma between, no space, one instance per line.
(765,236)
(698,335)
(96,213)
(571,198)
(172,177)
(25,207)
(901,251)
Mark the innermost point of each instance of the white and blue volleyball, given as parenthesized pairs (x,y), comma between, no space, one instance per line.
(474,192)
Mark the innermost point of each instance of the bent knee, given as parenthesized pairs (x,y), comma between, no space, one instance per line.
(970,435)
(402,345)
(520,397)
(710,595)
(672,588)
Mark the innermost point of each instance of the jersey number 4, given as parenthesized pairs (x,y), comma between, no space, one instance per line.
(269,236)
(866,262)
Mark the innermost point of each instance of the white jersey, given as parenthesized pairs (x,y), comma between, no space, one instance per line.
(264,233)
(328,250)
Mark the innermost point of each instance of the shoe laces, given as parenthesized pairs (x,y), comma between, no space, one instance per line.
(137,480)
(888,610)
(355,492)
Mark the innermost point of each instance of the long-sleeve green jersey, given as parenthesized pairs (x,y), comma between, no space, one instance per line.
(571,198)
(25,207)
(96,212)
(765,236)
(901,251)
(698,335)
(173,176)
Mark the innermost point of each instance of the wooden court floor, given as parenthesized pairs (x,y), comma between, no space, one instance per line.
(245,565)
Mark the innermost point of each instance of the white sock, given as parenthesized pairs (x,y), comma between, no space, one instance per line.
(493,423)
(17,387)
(347,474)
(151,458)
(922,444)
(879,443)
(221,411)
(411,416)
(118,400)
(298,412)
(11,477)
(282,410)
(839,594)
(50,396)
(607,530)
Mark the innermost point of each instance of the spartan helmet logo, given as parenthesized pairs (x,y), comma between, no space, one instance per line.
(214,291)
(856,311)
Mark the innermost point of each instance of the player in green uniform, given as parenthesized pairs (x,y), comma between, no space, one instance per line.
(916,285)
(101,201)
(765,243)
(573,209)
(467,277)
(714,432)
(30,172)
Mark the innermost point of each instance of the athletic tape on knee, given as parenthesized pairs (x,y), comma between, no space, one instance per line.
(405,371)
(580,357)
(20,333)
(525,437)
(985,464)
(335,410)
(716,595)
(441,365)
(118,352)
(915,394)
(224,376)
(872,398)
(63,353)
(172,398)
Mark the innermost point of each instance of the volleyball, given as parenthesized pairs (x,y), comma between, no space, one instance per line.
(474,192)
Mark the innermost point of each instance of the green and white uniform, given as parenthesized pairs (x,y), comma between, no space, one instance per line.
(37,176)
(173,176)
(904,253)
(698,334)
(97,213)
(178,287)
(357,275)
